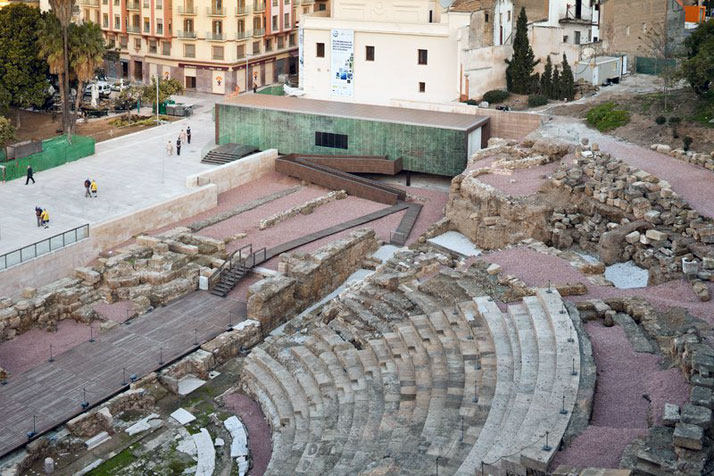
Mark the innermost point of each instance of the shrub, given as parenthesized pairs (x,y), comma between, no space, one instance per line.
(674,124)
(535,100)
(472,102)
(660,120)
(687,142)
(495,96)
(606,117)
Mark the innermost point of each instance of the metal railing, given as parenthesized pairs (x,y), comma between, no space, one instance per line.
(259,32)
(187,10)
(258,6)
(186,34)
(211,36)
(214,11)
(242,10)
(55,242)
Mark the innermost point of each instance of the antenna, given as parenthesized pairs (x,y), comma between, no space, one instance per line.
(446,3)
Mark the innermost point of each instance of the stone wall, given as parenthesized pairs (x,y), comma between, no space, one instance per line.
(236,173)
(696,158)
(306,278)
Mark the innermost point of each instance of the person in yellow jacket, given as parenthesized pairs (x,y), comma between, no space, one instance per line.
(93,188)
(45,218)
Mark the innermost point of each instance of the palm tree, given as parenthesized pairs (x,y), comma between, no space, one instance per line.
(86,55)
(63,11)
(51,50)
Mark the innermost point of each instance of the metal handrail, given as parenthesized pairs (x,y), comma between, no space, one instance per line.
(42,247)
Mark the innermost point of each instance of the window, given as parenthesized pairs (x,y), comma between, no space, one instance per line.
(166,48)
(147,25)
(565,38)
(188,25)
(189,51)
(509,16)
(152,46)
(369,53)
(320,50)
(217,52)
(117,22)
(137,43)
(159,27)
(422,87)
(286,21)
(281,42)
(292,39)
(577,37)
(256,47)
(268,45)
(422,56)
(327,139)
(159,4)
(241,26)
(111,43)
(274,23)
(105,20)
(240,51)
(486,17)
(431,16)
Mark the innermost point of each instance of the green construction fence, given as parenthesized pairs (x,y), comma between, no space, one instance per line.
(55,151)
(653,65)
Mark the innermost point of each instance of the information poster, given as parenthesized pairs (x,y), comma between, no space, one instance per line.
(301,56)
(342,56)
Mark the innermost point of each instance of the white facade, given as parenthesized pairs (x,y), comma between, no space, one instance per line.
(503,22)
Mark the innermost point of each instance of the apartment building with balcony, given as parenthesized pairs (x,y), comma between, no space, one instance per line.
(215,46)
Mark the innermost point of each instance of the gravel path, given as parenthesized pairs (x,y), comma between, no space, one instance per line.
(259,442)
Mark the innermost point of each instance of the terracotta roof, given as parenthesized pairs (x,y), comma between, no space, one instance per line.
(470,5)
(417,117)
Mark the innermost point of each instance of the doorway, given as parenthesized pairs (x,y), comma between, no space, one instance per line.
(190,82)
(138,70)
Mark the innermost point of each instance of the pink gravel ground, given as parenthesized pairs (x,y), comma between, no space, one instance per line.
(526,181)
(259,433)
(33,347)
(119,311)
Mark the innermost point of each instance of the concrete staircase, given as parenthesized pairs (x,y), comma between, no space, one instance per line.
(465,388)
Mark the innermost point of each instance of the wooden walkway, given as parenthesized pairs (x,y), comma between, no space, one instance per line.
(52,392)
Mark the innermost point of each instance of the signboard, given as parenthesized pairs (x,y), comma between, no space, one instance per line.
(342,57)
(301,56)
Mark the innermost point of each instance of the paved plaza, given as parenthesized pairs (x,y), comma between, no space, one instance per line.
(132,172)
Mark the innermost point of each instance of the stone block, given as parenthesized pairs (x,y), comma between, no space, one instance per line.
(29,293)
(493,268)
(708,263)
(88,275)
(696,415)
(633,237)
(688,436)
(701,396)
(671,414)
(655,235)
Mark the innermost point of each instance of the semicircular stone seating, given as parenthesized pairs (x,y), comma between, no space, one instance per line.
(468,388)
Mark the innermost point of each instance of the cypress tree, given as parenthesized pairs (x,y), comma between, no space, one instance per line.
(519,72)
(555,89)
(567,82)
(546,79)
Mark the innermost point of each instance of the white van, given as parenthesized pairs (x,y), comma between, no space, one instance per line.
(103,89)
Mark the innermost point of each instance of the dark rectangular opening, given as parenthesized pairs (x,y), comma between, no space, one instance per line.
(328,139)
(369,53)
(320,50)
(422,56)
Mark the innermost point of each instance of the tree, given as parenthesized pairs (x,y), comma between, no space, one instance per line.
(656,44)
(567,82)
(698,67)
(519,72)
(86,55)
(546,79)
(62,9)
(555,91)
(7,133)
(167,88)
(23,76)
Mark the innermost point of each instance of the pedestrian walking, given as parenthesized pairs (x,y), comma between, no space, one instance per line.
(188,135)
(178,146)
(255,87)
(169,148)
(30,174)
(87,184)
(38,214)
(93,186)
(45,217)
(182,135)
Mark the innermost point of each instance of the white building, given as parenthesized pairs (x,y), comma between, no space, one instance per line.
(382,52)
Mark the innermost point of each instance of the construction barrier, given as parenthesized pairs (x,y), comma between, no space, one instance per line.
(55,151)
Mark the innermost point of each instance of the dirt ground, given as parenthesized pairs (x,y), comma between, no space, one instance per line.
(43,125)
(644,108)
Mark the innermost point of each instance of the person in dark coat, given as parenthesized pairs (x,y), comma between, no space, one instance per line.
(38,214)
(178,146)
(30,173)
(188,134)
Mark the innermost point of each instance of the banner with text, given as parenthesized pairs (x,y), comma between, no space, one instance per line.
(342,57)
(301,56)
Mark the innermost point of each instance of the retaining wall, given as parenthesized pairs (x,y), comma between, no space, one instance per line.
(504,124)
(236,173)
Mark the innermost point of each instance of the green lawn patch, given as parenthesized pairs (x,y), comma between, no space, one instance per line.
(607,117)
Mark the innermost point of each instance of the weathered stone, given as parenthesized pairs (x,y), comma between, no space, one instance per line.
(633,237)
(91,423)
(701,290)
(696,415)
(88,275)
(688,436)
(493,268)
(29,293)
(655,235)
(671,414)
(701,396)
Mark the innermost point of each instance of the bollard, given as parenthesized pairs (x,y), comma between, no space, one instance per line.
(574,372)
(85,403)
(91,333)
(123,376)
(563,411)
(33,433)
(51,359)
(195,337)
(161,356)
(549,291)
(546,446)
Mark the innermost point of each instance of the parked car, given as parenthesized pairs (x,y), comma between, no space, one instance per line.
(120,86)
(103,89)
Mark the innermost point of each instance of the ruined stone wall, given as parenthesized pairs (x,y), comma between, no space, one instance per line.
(306,278)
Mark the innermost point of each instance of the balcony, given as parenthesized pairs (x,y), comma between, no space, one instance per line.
(215,11)
(259,32)
(146,4)
(210,36)
(242,10)
(133,29)
(133,6)
(189,10)
(242,35)
(186,35)
(89,3)
(258,7)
